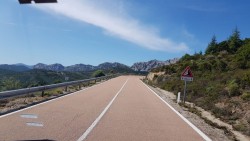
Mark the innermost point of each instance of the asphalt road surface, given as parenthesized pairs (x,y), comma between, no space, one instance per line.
(121,109)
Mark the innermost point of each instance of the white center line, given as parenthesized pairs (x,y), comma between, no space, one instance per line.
(28,116)
(91,127)
(36,124)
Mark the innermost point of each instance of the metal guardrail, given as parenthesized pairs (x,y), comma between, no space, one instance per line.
(26,91)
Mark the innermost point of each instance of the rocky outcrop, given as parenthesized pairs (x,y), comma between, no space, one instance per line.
(80,67)
(52,67)
(108,65)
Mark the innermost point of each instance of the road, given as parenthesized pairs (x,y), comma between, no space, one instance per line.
(121,109)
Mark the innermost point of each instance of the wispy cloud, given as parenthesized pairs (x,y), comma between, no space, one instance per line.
(206,8)
(115,21)
(187,34)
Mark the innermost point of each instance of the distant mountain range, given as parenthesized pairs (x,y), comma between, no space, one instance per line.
(117,67)
(147,66)
(83,67)
(14,67)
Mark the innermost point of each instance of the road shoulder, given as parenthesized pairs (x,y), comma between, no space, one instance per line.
(214,133)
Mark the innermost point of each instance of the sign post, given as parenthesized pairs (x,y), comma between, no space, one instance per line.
(186,76)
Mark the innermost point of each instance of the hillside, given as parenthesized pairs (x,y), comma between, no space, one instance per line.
(10,80)
(17,68)
(221,80)
(11,76)
(80,67)
(147,66)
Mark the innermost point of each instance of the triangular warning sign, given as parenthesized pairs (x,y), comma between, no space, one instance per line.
(187,72)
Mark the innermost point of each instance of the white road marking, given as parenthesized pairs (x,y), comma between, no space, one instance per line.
(50,100)
(92,126)
(36,124)
(28,116)
(204,136)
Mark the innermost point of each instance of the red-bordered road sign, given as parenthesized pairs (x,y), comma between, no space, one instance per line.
(187,74)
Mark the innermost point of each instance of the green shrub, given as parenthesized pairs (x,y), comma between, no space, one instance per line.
(98,73)
(59,92)
(221,112)
(246,79)
(155,76)
(205,66)
(233,89)
(240,127)
(221,65)
(246,96)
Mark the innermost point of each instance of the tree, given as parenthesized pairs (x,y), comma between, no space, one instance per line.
(212,46)
(223,46)
(186,57)
(243,56)
(98,73)
(234,40)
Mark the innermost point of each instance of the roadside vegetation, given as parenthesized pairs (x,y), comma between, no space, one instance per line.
(221,80)
(98,73)
(10,80)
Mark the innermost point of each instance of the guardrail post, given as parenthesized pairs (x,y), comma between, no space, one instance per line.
(42,93)
(66,88)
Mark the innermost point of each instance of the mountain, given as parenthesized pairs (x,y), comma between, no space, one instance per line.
(80,67)
(107,66)
(116,67)
(147,66)
(14,67)
(52,67)
(21,64)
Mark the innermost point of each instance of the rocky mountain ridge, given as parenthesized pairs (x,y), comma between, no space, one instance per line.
(147,66)
(81,67)
(139,66)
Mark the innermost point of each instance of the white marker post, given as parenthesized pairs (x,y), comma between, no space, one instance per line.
(186,76)
(179,97)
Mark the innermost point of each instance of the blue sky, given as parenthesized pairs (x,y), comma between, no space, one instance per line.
(125,31)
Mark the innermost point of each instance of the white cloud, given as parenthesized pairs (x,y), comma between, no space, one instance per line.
(114,20)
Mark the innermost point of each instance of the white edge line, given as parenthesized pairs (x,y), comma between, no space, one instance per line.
(92,126)
(51,100)
(204,136)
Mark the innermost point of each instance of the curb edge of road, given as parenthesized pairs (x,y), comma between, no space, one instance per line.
(203,135)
